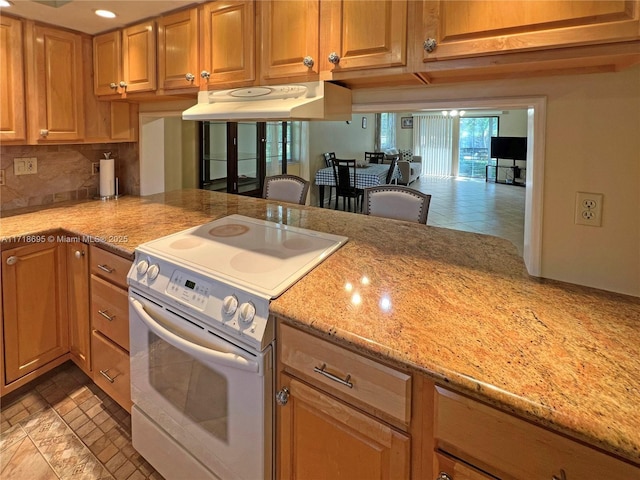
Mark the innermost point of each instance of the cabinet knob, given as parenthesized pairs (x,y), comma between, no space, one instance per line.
(334,58)
(44,132)
(204,74)
(282,397)
(190,77)
(429,45)
(308,61)
(122,84)
(443,476)
(79,253)
(12,260)
(113,86)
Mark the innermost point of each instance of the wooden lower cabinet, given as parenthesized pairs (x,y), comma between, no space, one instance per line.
(110,325)
(35,319)
(322,437)
(111,369)
(505,446)
(78,304)
(450,468)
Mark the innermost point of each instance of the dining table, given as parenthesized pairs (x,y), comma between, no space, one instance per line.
(368,175)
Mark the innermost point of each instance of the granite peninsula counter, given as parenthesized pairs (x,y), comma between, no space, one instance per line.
(456,306)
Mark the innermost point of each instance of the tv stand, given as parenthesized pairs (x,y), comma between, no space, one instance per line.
(507,174)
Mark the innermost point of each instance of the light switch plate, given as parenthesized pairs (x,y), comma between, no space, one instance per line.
(25,166)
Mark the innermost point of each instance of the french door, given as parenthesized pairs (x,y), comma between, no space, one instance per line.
(236,156)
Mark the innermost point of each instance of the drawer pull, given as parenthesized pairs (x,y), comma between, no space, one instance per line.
(106,268)
(563,476)
(333,377)
(444,476)
(105,314)
(105,374)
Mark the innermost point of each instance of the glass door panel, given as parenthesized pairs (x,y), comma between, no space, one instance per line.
(249,168)
(213,175)
(475,143)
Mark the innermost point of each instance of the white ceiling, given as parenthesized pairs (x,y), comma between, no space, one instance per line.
(79,14)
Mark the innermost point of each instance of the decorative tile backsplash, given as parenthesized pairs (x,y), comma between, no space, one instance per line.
(64,172)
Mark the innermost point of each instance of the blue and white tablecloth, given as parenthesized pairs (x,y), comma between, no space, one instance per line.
(369,176)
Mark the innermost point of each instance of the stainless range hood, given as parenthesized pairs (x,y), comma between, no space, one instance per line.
(299,101)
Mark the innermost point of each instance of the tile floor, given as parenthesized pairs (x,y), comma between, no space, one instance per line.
(474,205)
(62,426)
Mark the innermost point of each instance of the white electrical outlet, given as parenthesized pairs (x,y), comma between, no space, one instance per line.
(588,209)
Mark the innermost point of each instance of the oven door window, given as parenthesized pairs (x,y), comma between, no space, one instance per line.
(196,390)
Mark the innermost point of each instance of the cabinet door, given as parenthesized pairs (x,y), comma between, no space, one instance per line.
(471,28)
(289,33)
(178,51)
(139,57)
(12,119)
(228,43)
(320,437)
(56,111)
(107,63)
(34,294)
(78,304)
(369,34)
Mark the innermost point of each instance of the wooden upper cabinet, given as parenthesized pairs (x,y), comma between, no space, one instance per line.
(178,51)
(471,28)
(289,39)
(363,35)
(139,57)
(107,63)
(228,44)
(55,83)
(12,99)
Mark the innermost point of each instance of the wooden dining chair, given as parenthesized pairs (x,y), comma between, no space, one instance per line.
(328,156)
(374,157)
(392,167)
(344,174)
(398,202)
(286,188)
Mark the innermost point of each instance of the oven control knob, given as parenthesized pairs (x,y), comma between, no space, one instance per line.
(153,271)
(247,312)
(230,304)
(142,267)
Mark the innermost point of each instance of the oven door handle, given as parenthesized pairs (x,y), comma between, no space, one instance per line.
(210,354)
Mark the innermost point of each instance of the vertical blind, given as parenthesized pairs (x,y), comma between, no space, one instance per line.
(433,141)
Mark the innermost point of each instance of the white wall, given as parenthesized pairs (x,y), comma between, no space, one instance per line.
(592,145)
(347,140)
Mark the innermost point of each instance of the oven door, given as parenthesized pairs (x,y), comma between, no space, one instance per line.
(211,397)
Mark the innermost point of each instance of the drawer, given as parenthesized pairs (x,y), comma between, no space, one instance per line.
(383,388)
(110,311)
(111,369)
(109,266)
(508,447)
(455,469)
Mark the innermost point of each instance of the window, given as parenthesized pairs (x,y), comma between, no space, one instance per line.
(386,131)
(475,145)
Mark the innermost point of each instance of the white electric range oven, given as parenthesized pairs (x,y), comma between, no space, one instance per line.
(202,342)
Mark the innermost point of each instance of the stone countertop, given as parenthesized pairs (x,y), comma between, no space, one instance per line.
(457,306)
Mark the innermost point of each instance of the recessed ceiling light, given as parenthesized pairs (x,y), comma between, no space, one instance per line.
(5,3)
(105,14)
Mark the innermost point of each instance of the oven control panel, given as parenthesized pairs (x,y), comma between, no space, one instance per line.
(188,289)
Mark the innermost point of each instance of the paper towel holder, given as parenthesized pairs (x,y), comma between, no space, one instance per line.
(116,195)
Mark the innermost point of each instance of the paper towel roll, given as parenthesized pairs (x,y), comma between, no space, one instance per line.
(107,176)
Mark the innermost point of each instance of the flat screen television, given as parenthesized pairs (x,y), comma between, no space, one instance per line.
(514,148)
